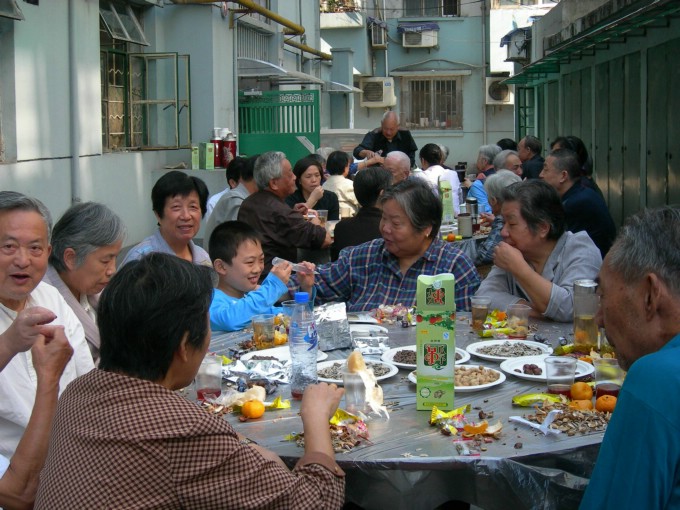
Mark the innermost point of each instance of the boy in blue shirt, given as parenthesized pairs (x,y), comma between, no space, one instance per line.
(236,251)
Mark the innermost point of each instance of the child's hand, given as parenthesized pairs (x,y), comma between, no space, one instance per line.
(306,280)
(282,270)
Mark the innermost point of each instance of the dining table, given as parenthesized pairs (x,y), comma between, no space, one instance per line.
(406,463)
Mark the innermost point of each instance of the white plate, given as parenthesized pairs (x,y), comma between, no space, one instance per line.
(388,356)
(509,366)
(361,318)
(367,330)
(473,349)
(281,353)
(330,362)
(468,389)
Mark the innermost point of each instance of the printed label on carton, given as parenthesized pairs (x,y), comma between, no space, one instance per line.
(435,341)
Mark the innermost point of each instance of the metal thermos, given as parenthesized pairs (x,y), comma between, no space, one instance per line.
(465,225)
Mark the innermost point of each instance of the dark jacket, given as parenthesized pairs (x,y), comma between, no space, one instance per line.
(532,168)
(363,227)
(585,210)
(375,141)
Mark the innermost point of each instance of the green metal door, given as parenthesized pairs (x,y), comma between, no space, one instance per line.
(279,121)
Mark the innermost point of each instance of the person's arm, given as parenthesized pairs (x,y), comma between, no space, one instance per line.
(319,403)
(314,197)
(486,248)
(51,352)
(228,314)
(28,326)
(537,288)
(365,150)
(497,286)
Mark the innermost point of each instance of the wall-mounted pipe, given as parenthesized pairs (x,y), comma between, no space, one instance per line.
(249,4)
(309,49)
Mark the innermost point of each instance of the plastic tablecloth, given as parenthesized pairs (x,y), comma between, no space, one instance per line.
(409,464)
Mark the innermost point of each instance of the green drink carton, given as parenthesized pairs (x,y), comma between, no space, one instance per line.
(435,341)
(195,160)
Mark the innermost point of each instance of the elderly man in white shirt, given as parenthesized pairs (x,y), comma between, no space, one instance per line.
(25,226)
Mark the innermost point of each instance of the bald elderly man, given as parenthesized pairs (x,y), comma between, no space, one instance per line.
(387,138)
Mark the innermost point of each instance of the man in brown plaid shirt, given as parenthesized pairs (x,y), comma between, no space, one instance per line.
(123,438)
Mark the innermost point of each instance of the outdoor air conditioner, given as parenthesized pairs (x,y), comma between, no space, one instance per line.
(499,93)
(377,92)
(378,36)
(424,39)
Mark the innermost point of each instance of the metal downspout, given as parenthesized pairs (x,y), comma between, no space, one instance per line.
(484,127)
(74,118)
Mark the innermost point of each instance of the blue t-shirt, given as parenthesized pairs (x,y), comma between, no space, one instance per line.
(639,461)
(228,313)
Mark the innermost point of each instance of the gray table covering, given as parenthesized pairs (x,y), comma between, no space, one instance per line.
(409,464)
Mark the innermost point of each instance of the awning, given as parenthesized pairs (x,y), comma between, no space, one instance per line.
(416,27)
(612,30)
(508,37)
(10,9)
(266,71)
(370,21)
(434,67)
(337,88)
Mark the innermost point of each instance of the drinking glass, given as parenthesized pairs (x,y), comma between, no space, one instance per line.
(559,374)
(480,309)
(209,378)
(263,331)
(608,377)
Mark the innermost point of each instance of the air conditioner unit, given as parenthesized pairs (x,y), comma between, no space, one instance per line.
(377,92)
(378,36)
(424,39)
(499,93)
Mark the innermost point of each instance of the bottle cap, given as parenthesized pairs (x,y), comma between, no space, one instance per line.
(301,297)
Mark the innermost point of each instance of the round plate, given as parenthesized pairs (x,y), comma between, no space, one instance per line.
(367,330)
(509,366)
(281,353)
(388,356)
(467,389)
(330,362)
(474,349)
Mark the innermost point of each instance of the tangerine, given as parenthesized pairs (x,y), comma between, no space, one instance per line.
(451,237)
(479,428)
(252,409)
(581,391)
(605,404)
(581,405)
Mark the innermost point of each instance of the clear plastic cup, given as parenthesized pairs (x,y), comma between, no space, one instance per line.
(263,331)
(559,374)
(480,309)
(209,378)
(518,320)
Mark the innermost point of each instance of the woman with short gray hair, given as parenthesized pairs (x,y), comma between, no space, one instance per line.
(493,185)
(85,243)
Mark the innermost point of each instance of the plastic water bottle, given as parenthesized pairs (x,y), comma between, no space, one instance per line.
(304,344)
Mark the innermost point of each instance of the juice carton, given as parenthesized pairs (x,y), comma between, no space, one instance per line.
(435,341)
(195,165)
(206,154)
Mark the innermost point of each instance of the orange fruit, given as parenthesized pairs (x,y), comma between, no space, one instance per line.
(252,409)
(581,405)
(451,237)
(605,404)
(581,391)
(478,428)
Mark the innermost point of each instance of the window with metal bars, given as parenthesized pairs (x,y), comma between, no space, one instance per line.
(145,96)
(432,103)
(437,8)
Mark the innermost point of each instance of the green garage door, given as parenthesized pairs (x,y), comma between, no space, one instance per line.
(279,121)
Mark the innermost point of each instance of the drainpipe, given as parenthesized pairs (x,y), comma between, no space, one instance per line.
(74,124)
(484,127)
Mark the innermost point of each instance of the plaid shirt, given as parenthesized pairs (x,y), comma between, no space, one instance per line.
(368,275)
(122,442)
(486,248)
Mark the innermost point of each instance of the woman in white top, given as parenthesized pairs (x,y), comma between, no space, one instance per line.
(430,158)
(337,165)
